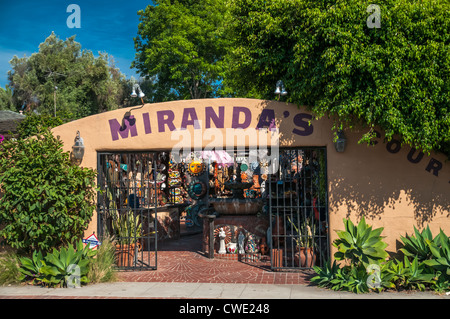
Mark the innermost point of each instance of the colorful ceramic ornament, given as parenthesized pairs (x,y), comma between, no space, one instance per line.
(232,248)
(196,189)
(196,168)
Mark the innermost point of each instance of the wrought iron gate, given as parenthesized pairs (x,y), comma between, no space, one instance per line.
(130,184)
(298,208)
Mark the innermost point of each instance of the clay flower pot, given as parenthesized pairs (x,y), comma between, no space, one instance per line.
(124,255)
(305,257)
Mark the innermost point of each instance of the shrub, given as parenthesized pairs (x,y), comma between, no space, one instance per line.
(34,124)
(63,267)
(47,200)
(417,245)
(440,250)
(9,269)
(360,244)
(102,268)
(426,262)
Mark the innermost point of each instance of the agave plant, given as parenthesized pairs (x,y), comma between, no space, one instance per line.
(30,268)
(418,245)
(58,267)
(325,274)
(360,244)
(440,250)
(65,264)
(410,274)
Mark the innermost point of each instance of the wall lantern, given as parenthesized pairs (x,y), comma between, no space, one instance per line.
(280,90)
(78,147)
(140,93)
(339,144)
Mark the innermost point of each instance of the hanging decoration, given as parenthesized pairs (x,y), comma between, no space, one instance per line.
(197,189)
(196,168)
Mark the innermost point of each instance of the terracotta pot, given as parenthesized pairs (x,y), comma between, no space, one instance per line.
(124,255)
(305,257)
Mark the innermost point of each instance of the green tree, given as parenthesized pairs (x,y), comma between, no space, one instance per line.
(396,76)
(182,44)
(63,78)
(6,99)
(46,201)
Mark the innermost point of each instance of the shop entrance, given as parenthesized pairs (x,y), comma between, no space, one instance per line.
(297,199)
(129,200)
(278,215)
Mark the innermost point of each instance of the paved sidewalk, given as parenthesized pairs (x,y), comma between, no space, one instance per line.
(179,290)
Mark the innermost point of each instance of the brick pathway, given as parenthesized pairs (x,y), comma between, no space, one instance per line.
(182,261)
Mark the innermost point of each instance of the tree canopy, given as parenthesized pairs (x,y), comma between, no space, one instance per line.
(63,74)
(181,44)
(396,76)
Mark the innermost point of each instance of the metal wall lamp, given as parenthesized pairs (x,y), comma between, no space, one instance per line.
(78,147)
(280,90)
(341,142)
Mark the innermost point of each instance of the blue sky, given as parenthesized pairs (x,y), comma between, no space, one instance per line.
(106,26)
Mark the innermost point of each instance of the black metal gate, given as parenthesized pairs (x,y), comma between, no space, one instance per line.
(298,208)
(130,184)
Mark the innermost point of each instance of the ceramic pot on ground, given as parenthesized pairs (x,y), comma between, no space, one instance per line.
(305,257)
(124,255)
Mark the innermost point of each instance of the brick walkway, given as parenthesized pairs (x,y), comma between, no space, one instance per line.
(183,261)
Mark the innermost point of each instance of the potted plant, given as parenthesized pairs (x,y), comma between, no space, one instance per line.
(305,256)
(127,229)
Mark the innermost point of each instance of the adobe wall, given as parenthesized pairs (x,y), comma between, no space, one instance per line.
(393,186)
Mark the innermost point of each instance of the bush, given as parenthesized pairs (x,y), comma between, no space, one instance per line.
(360,244)
(34,124)
(417,245)
(64,267)
(102,268)
(426,263)
(9,269)
(47,200)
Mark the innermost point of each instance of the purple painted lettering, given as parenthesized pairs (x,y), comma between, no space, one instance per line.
(393,146)
(267,119)
(189,113)
(123,131)
(237,110)
(210,114)
(165,117)
(434,165)
(411,154)
(302,120)
(147,127)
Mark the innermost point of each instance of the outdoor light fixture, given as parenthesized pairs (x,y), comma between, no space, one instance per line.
(127,116)
(339,144)
(140,93)
(280,90)
(78,147)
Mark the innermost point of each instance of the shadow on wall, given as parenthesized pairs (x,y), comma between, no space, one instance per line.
(389,179)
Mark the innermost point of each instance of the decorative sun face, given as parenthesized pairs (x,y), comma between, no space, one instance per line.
(196,168)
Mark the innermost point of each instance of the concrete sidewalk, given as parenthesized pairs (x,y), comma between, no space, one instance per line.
(180,290)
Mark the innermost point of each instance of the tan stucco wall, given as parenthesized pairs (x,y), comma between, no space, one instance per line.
(387,188)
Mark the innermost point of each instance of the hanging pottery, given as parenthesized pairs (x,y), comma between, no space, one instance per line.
(196,168)
(196,189)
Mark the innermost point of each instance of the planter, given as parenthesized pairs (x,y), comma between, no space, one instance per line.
(125,255)
(305,258)
(277,258)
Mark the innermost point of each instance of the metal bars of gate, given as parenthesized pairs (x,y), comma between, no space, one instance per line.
(298,206)
(127,206)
